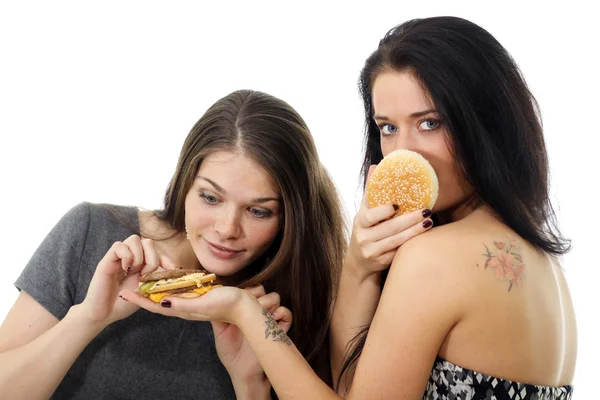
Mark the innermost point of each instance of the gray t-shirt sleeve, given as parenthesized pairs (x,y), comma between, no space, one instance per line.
(52,273)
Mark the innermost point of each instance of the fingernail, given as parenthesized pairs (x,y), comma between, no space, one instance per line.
(396,207)
(123,298)
(165,304)
(426,213)
(427,223)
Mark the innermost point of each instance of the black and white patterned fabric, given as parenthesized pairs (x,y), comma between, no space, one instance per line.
(451,382)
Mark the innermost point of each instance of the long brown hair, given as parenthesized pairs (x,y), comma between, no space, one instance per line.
(303,262)
(492,119)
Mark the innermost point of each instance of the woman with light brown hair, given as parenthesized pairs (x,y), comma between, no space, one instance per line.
(250,202)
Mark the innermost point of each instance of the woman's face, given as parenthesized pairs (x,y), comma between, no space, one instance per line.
(407,119)
(232,212)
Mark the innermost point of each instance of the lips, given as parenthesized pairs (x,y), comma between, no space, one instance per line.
(222,252)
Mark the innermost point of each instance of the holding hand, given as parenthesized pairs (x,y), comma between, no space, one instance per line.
(234,351)
(223,306)
(120,269)
(377,234)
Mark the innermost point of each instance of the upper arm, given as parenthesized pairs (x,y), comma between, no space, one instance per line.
(52,275)
(418,307)
(26,320)
(49,281)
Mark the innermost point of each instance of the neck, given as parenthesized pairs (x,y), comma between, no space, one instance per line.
(459,211)
(167,241)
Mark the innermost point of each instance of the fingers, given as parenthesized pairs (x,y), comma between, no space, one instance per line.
(118,258)
(256,291)
(270,302)
(166,262)
(146,257)
(392,242)
(216,305)
(134,244)
(398,224)
(284,318)
(151,257)
(368,217)
(136,298)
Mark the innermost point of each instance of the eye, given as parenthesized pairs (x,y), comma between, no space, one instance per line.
(208,198)
(388,129)
(260,213)
(429,124)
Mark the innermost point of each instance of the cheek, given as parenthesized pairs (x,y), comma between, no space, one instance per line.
(196,216)
(261,234)
(453,187)
(387,146)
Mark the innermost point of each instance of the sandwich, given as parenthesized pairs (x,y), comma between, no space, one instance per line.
(188,283)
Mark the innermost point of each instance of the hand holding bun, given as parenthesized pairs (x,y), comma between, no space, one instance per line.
(404,178)
(406,181)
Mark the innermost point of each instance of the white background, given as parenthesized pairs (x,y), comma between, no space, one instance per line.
(97,97)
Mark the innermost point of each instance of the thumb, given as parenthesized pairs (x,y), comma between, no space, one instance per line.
(365,201)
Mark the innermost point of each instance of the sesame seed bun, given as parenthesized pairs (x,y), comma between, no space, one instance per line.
(404,178)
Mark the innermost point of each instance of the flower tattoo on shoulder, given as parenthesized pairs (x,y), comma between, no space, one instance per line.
(274,331)
(507,261)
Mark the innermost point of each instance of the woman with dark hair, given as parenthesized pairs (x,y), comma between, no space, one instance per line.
(475,308)
(249,201)
(479,303)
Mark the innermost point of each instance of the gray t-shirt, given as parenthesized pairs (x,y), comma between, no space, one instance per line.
(145,356)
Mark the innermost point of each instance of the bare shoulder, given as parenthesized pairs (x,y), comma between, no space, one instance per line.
(440,249)
(470,254)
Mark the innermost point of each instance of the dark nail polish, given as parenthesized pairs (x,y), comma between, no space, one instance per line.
(165,304)
(123,298)
(426,213)
(396,207)
(427,223)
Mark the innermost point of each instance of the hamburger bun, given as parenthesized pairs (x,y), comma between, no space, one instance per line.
(404,178)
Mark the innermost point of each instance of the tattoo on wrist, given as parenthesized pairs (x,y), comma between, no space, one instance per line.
(274,331)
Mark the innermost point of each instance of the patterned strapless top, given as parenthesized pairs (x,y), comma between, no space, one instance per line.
(451,382)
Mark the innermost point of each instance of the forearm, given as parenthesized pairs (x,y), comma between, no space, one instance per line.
(354,308)
(35,370)
(287,370)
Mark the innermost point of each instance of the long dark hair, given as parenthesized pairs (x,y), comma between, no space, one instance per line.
(303,262)
(492,119)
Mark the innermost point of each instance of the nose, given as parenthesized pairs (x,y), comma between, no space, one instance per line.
(404,140)
(227,224)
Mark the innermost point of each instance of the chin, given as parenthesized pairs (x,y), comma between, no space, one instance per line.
(221,268)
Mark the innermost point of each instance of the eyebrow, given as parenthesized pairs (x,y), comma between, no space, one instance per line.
(413,115)
(256,200)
